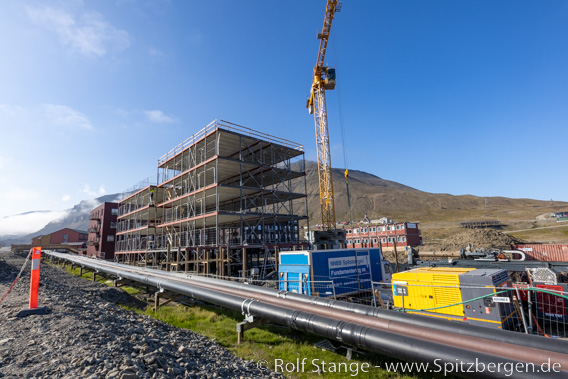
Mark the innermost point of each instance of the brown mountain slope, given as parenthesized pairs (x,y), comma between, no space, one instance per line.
(438,214)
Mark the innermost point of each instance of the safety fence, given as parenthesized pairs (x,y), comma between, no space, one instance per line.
(540,309)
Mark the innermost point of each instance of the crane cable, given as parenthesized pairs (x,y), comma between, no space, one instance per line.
(342,127)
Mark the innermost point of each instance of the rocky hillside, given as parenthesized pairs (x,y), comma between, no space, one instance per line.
(379,197)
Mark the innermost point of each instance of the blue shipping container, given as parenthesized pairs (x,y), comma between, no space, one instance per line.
(328,272)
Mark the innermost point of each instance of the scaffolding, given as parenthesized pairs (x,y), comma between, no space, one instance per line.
(227,199)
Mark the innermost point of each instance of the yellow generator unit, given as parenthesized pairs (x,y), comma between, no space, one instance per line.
(459,294)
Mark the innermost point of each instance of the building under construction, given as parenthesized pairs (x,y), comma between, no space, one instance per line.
(225,201)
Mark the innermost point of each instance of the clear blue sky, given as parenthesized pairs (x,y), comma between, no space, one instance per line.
(460,97)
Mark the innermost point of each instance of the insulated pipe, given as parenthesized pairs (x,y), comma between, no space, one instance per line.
(473,343)
(414,349)
(521,339)
(528,341)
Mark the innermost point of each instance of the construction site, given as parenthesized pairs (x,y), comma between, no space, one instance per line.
(223,224)
(226,200)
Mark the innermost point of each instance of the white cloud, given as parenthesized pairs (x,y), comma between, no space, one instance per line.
(87,33)
(87,190)
(66,197)
(158,117)
(54,115)
(27,222)
(64,116)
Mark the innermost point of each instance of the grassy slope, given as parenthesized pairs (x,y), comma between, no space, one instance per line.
(439,215)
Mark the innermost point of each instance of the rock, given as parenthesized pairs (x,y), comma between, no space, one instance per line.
(88,336)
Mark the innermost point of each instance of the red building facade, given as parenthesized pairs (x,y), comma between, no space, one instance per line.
(102,231)
(386,235)
(64,236)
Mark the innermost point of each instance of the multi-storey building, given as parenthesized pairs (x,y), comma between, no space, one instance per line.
(225,200)
(386,235)
(102,231)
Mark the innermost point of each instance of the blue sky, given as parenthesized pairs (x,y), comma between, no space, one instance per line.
(459,97)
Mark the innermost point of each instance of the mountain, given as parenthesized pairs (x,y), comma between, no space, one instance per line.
(438,214)
(74,218)
(379,197)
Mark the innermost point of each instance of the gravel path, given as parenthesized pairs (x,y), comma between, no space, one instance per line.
(87,335)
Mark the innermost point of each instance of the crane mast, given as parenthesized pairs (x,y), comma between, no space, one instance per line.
(324,79)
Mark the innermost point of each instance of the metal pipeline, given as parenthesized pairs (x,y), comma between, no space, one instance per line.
(521,339)
(349,330)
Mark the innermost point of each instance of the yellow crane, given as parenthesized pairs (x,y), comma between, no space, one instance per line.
(324,79)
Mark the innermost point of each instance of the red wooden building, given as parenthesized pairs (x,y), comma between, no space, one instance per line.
(65,236)
(102,231)
(400,233)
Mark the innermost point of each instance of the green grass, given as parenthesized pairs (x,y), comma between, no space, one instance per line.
(266,343)
(272,344)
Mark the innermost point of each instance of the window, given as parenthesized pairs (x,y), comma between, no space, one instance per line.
(384,240)
(402,227)
(404,239)
(365,230)
(113,224)
(65,238)
(114,212)
(110,238)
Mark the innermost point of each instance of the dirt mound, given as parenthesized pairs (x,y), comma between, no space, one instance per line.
(479,238)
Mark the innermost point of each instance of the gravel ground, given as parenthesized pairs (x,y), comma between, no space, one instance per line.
(87,335)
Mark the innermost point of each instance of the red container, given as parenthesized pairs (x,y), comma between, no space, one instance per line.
(547,253)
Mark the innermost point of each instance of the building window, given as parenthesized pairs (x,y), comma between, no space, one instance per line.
(110,238)
(384,240)
(402,227)
(404,239)
(113,224)
(114,212)
(65,237)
